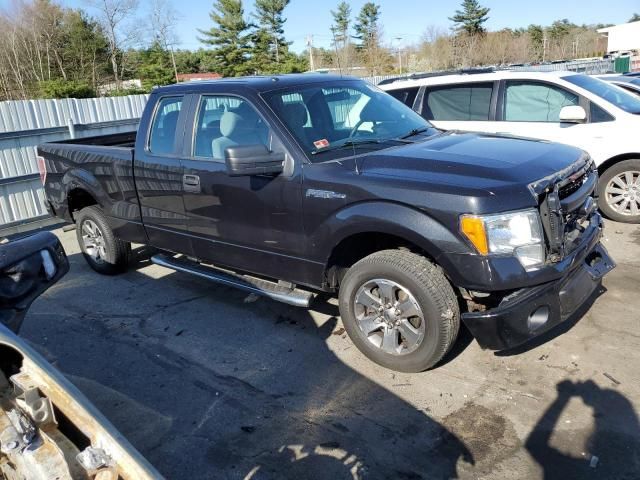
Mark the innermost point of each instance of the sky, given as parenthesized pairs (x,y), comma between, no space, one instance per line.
(404,21)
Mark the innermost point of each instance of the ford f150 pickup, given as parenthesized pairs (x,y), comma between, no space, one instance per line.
(288,186)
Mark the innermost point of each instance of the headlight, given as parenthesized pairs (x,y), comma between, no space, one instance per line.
(516,233)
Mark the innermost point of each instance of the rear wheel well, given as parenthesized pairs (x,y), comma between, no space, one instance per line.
(360,245)
(77,199)
(618,158)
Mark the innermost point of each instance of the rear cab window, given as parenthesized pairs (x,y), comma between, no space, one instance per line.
(465,102)
(162,136)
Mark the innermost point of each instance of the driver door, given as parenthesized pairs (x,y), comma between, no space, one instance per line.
(251,222)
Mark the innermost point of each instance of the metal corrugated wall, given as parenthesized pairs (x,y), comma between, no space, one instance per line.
(27,123)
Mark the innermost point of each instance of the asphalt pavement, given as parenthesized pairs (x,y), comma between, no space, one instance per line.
(211,383)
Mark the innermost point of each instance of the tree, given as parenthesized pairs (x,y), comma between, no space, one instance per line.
(635,18)
(341,23)
(163,24)
(536,41)
(368,33)
(271,26)
(340,31)
(155,67)
(471,18)
(228,37)
(114,15)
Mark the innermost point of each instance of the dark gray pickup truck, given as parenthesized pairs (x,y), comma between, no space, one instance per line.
(288,186)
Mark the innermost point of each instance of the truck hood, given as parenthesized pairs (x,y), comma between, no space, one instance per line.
(477,161)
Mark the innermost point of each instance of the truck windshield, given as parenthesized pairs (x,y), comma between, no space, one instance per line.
(612,94)
(336,121)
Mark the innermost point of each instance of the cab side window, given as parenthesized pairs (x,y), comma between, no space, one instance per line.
(471,102)
(163,129)
(535,102)
(227,121)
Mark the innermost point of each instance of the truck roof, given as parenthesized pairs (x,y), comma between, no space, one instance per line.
(261,83)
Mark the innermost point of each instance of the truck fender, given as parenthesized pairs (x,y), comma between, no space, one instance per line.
(403,221)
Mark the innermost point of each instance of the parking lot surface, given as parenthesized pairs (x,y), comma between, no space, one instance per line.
(208,382)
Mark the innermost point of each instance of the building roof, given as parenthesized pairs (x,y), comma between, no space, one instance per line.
(190,77)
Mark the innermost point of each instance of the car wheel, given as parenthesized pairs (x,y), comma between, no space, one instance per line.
(619,191)
(399,310)
(103,252)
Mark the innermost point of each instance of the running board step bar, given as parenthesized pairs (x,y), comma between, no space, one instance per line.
(265,288)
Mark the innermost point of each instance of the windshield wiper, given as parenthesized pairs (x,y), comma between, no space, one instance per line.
(347,144)
(414,132)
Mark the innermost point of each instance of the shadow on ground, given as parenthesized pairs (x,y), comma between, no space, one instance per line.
(218,388)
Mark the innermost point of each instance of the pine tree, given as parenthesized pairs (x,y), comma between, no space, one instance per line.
(269,42)
(471,18)
(341,23)
(229,38)
(635,18)
(367,29)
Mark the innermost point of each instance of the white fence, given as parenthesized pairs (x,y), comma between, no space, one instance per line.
(26,124)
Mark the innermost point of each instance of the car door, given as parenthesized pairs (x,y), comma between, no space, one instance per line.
(466,106)
(531,108)
(251,222)
(159,172)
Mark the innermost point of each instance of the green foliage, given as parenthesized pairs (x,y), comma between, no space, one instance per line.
(536,39)
(155,67)
(341,23)
(471,18)
(65,89)
(123,92)
(367,27)
(229,37)
(635,18)
(271,44)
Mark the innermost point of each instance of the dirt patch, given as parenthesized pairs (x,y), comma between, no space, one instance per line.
(489,437)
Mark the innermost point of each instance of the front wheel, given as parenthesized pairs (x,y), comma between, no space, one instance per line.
(399,310)
(103,252)
(619,191)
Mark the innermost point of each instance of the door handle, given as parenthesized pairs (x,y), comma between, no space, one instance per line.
(191,180)
(191,183)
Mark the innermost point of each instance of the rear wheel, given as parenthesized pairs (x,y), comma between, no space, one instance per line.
(619,190)
(399,310)
(103,252)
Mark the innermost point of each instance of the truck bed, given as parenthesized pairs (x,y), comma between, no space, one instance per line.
(124,139)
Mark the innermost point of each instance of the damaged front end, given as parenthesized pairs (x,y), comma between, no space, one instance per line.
(48,429)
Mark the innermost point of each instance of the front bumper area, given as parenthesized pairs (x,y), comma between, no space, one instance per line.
(529,312)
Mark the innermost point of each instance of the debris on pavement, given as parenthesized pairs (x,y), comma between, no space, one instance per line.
(611,378)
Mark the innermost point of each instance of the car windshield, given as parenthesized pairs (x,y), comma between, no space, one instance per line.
(612,94)
(345,118)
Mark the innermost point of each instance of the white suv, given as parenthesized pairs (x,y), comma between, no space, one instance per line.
(566,107)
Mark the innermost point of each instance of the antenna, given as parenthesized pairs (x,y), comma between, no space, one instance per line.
(335,46)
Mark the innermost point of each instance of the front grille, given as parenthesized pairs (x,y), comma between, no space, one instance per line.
(572,187)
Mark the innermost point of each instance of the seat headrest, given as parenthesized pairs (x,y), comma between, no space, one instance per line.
(295,114)
(229,123)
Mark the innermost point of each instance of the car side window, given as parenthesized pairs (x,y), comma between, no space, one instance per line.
(458,103)
(405,95)
(163,129)
(227,121)
(598,115)
(536,102)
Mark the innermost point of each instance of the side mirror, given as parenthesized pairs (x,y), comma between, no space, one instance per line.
(28,267)
(253,160)
(573,114)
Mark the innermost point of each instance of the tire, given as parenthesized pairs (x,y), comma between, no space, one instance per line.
(417,286)
(109,255)
(612,188)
